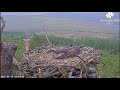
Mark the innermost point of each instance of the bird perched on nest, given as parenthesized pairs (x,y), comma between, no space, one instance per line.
(66,52)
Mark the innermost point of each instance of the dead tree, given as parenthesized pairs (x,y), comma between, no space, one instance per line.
(7,52)
(2,24)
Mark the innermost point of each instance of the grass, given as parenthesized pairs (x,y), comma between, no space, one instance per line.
(109,48)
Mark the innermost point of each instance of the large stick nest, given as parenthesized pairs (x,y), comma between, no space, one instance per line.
(42,64)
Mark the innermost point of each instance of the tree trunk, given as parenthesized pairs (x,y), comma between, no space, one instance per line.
(7,53)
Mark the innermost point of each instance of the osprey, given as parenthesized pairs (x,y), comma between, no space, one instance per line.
(66,52)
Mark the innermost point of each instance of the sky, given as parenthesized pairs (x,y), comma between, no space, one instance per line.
(33,13)
(23,13)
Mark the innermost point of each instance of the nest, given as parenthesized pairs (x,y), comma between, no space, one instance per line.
(42,64)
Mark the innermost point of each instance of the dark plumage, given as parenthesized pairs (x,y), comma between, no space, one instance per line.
(66,52)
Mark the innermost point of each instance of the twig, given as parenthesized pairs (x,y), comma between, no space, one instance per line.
(63,72)
(47,37)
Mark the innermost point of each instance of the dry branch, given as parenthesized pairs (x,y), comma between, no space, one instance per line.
(47,37)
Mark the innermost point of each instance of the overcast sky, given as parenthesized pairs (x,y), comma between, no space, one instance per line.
(34,13)
(23,13)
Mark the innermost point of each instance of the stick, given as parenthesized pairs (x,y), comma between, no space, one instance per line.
(47,37)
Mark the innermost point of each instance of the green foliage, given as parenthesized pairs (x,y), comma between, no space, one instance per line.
(112,63)
(111,45)
(20,51)
(109,48)
(18,40)
(38,41)
(60,40)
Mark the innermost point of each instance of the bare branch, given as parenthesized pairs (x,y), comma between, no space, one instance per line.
(3,24)
(47,37)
